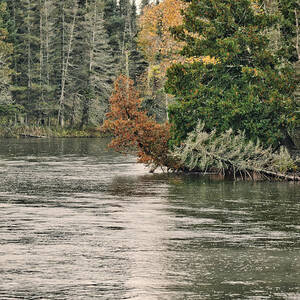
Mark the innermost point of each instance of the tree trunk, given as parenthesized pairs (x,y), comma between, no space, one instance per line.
(65,67)
(47,32)
(41,53)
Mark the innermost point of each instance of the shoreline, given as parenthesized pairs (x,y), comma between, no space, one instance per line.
(50,132)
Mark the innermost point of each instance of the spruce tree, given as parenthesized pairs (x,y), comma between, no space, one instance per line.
(137,62)
(26,55)
(63,63)
(77,89)
(126,36)
(6,50)
(113,26)
(101,68)
(46,87)
(245,89)
(92,67)
(65,16)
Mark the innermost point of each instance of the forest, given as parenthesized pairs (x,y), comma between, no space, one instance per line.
(59,59)
(153,74)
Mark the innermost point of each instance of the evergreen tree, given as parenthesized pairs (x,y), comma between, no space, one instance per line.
(46,94)
(244,89)
(113,26)
(77,89)
(120,23)
(62,56)
(6,50)
(62,44)
(101,68)
(92,68)
(26,54)
(290,28)
(126,37)
(232,154)
(137,62)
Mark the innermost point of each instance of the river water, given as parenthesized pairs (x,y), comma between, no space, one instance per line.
(80,222)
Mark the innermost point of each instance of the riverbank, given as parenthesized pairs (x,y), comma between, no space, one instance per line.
(45,132)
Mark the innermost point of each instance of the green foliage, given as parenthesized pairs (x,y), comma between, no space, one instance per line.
(120,23)
(66,56)
(26,88)
(230,153)
(6,49)
(42,131)
(244,90)
(289,10)
(10,109)
(91,65)
(62,61)
(112,25)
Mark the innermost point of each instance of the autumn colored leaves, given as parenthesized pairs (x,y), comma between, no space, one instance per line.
(134,130)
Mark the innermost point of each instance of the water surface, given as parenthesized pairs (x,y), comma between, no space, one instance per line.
(80,222)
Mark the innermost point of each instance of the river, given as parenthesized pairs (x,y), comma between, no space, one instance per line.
(78,221)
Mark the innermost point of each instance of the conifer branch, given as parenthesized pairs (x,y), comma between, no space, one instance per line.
(233,154)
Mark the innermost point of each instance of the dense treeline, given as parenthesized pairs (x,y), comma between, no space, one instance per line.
(232,72)
(251,85)
(227,63)
(60,58)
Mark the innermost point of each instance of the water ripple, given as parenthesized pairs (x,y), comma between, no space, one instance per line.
(80,222)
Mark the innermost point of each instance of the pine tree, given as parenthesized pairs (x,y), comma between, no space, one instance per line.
(120,23)
(26,55)
(77,89)
(6,50)
(65,61)
(230,153)
(244,89)
(137,62)
(62,43)
(126,36)
(101,68)
(113,26)
(46,87)
(92,65)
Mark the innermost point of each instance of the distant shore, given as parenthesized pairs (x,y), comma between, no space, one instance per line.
(46,132)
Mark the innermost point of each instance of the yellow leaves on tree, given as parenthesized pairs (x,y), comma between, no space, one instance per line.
(133,129)
(156,40)
(154,36)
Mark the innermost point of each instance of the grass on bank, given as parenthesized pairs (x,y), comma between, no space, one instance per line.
(43,131)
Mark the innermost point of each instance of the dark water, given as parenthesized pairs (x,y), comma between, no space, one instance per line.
(80,222)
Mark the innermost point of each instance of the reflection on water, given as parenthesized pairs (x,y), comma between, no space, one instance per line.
(80,222)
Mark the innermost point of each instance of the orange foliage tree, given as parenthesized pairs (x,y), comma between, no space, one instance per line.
(133,129)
